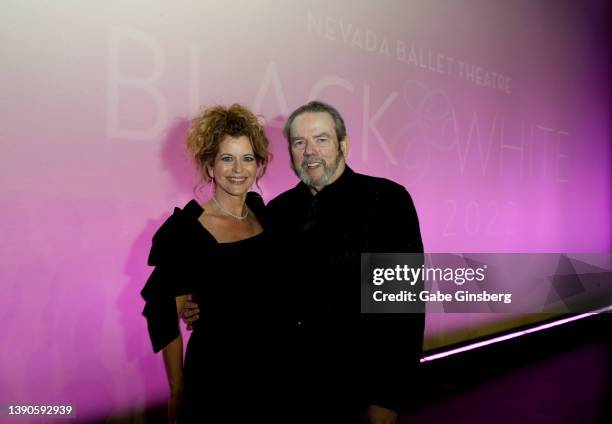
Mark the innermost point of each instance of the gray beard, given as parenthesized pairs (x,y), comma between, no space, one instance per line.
(328,172)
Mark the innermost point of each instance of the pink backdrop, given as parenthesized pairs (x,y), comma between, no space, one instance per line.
(495,115)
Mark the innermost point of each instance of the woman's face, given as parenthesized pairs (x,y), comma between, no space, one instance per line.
(235,168)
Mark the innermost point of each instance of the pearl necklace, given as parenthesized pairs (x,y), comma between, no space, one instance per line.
(228,213)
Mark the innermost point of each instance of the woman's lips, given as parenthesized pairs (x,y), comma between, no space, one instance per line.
(237,180)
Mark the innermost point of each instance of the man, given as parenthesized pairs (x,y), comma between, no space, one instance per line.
(321,227)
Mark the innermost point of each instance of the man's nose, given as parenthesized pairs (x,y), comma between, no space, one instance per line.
(310,149)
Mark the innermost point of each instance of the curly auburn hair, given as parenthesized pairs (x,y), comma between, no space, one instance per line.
(213,124)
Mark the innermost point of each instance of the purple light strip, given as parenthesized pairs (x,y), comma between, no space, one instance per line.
(512,335)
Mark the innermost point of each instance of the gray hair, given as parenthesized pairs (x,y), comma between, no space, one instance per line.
(316,106)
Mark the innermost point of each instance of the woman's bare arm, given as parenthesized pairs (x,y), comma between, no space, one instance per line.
(173,361)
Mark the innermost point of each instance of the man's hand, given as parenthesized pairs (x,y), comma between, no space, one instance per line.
(375,414)
(191,312)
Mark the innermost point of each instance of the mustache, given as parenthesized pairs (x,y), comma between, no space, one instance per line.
(312,159)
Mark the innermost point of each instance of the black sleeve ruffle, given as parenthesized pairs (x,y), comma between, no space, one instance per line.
(169,256)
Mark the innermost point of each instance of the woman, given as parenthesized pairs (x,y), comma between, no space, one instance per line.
(215,251)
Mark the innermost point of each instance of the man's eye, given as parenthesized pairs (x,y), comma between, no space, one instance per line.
(322,140)
(298,143)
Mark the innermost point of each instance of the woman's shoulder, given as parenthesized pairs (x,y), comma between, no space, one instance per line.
(253,198)
(175,233)
(255,202)
(178,220)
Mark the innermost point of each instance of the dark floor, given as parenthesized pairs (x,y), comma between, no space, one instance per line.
(561,375)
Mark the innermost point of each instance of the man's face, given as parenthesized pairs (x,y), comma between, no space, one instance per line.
(317,156)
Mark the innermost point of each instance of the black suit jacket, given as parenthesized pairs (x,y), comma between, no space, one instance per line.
(370,357)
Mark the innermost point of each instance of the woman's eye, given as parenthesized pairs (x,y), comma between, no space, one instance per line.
(249,158)
(226,158)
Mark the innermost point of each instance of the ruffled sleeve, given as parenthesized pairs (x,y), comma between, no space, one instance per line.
(170,256)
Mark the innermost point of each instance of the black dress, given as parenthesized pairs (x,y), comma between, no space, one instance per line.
(231,348)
